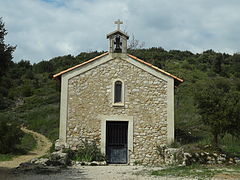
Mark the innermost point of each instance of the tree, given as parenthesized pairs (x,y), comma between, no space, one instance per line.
(5,61)
(44,66)
(10,137)
(5,50)
(219,106)
(233,112)
(135,44)
(217,66)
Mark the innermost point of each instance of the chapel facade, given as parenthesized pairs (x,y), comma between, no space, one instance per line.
(119,101)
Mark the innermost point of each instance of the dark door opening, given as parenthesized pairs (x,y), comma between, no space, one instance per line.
(116,142)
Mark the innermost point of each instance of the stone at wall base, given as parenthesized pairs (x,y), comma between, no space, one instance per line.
(59,159)
(59,146)
(178,156)
(93,163)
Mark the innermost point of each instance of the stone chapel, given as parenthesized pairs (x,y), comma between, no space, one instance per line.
(119,101)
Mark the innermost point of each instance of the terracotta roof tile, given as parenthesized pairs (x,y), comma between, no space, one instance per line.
(131,56)
(156,68)
(79,65)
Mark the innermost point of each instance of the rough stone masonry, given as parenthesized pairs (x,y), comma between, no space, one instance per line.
(90,96)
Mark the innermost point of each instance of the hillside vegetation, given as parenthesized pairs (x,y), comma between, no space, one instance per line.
(30,96)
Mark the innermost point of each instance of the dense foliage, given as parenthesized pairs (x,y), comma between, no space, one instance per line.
(5,61)
(32,95)
(10,134)
(10,137)
(218,101)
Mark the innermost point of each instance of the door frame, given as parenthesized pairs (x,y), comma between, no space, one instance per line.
(104,120)
(122,147)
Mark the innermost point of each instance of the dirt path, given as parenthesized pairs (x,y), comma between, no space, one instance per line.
(123,172)
(43,145)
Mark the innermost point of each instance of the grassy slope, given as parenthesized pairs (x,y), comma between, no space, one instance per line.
(6,157)
(28,143)
(40,111)
(200,171)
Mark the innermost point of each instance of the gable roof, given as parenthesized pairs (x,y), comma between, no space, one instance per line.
(79,65)
(129,55)
(155,67)
(117,32)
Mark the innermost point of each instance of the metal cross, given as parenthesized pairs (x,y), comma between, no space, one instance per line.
(118,22)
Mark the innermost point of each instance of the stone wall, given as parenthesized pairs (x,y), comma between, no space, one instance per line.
(90,96)
(174,156)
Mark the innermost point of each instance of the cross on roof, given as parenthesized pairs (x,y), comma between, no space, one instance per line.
(118,22)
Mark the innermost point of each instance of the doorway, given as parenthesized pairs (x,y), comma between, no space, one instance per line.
(117,142)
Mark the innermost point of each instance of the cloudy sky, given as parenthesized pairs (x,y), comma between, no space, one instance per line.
(43,29)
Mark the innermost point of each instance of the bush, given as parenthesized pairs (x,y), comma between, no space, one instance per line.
(44,119)
(28,143)
(184,137)
(88,152)
(26,91)
(10,137)
(6,157)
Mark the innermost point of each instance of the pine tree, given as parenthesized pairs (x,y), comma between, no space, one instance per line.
(6,50)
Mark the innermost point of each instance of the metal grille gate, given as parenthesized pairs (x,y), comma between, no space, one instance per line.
(116,141)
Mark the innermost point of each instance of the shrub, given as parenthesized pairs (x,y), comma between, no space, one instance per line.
(87,152)
(10,137)
(28,143)
(26,91)
(6,157)
(185,137)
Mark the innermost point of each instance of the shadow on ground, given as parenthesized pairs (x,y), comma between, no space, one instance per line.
(65,174)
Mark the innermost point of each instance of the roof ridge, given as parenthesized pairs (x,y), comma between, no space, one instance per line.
(155,67)
(81,64)
(131,56)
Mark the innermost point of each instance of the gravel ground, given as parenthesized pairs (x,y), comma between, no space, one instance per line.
(121,172)
(67,174)
(112,172)
(91,173)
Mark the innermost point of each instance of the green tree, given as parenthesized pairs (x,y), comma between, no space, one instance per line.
(10,137)
(5,61)
(5,50)
(233,112)
(44,66)
(219,107)
(217,66)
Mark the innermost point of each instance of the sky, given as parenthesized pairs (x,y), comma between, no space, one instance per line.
(43,29)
